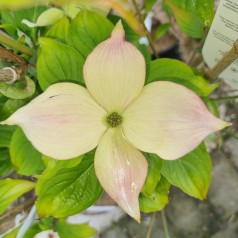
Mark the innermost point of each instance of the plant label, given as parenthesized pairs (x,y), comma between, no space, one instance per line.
(220,39)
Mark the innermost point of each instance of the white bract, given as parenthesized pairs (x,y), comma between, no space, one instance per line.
(118,115)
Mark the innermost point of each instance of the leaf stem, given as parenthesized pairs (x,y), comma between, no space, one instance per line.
(165,224)
(226,60)
(152,222)
(225,98)
(15,45)
(148,36)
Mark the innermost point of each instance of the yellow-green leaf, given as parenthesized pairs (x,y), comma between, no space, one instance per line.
(66,230)
(193,16)
(191,173)
(11,189)
(157,200)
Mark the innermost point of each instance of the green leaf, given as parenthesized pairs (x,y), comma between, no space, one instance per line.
(66,191)
(15,18)
(54,165)
(6,135)
(25,158)
(162,30)
(158,199)
(5,162)
(178,72)
(63,63)
(59,30)
(87,30)
(149,5)
(192,16)
(212,106)
(191,173)
(66,230)
(10,106)
(19,90)
(153,177)
(43,225)
(32,231)
(11,189)
(46,223)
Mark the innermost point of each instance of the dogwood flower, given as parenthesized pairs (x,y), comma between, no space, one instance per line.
(120,116)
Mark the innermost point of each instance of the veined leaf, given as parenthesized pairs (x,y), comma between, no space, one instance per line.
(11,189)
(19,90)
(178,72)
(158,199)
(59,30)
(153,177)
(191,173)
(192,15)
(66,191)
(25,158)
(87,30)
(63,63)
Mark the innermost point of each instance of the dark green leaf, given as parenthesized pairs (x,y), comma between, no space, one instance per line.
(63,63)
(178,72)
(158,199)
(15,18)
(153,177)
(87,30)
(66,230)
(10,106)
(191,173)
(11,189)
(25,158)
(5,162)
(6,135)
(66,191)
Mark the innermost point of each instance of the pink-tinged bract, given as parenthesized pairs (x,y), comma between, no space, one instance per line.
(164,118)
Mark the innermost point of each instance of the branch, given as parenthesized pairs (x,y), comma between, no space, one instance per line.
(17,209)
(226,60)
(148,36)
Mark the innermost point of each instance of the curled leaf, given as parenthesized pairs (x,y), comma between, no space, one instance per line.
(20,90)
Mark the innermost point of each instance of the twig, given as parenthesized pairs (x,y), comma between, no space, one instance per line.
(8,75)
(148,36)
(17,209)
(152,222)
(165,224)
(226,60)
(14,44)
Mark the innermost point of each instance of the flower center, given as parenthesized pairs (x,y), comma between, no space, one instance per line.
(114,119)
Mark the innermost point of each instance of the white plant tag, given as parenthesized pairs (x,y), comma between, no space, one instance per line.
(220,39)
